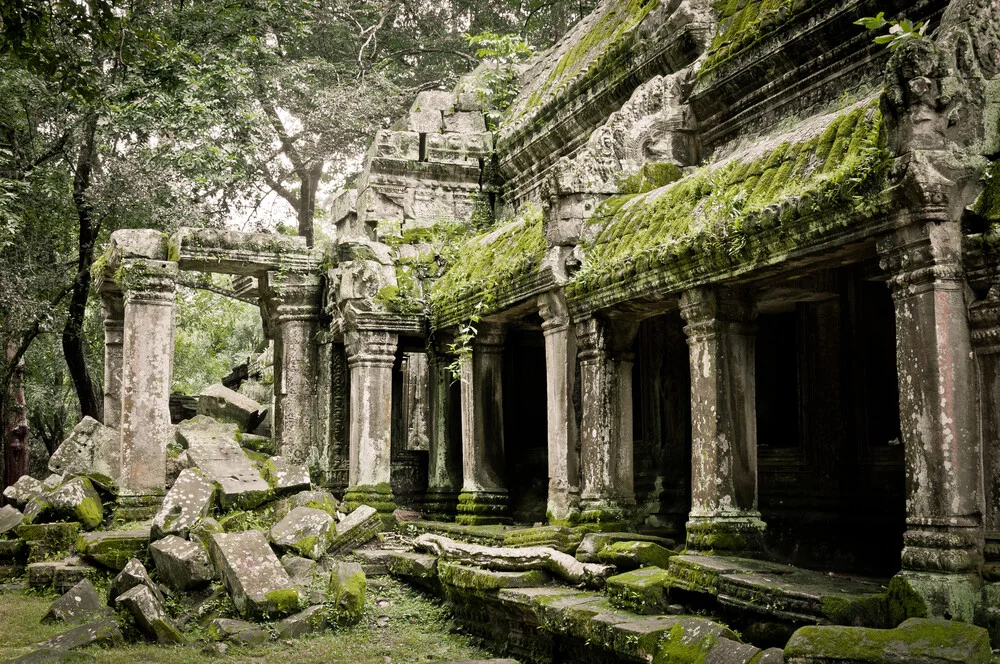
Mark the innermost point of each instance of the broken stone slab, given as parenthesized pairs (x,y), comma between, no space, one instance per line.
(358,527)
(559,538)
(305,531)
(38,509)
(181,564)
(24,489)
(915,641)
(299,569)
(187,502)
(305,622)
(346,597)
(417,568)
(132,575)
(213,449)
(104,632)
(225,405)
(593,543)
(257,583)
(633,555)
(702,574)
(237,631)
(149,615)
(464,122)
(53,656)
(479,581)
(61,576)
(203,531)
(78,500)
(10,518)
(312,582)
(319,499)
(284,476)
(373,561)
(46,541)
(113,549)
(81,603)
(90,448)
(262,444)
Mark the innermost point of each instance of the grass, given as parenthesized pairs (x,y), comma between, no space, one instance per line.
(400,625)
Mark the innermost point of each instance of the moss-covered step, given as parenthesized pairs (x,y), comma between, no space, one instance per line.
(113,549)
(559,538)
(700,574)
(46,541)
(417,568)
(491,535)
(633,555)
(642,591)
(917,640)
(593,543)
(474,580)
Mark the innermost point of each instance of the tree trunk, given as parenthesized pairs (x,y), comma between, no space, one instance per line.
(72,338)
(309,175)
(15,419)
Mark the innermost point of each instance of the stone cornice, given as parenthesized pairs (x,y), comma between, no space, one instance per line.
(231,252)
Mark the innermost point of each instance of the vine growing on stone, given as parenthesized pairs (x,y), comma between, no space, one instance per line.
(900,32)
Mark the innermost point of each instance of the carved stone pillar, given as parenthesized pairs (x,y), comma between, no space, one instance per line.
(560,377)
(370,356)
(444,476)
(724,514)
(147,363)
(984,317)
(606,490)
(943,542)
(296,305)
(113,309)
(484,494)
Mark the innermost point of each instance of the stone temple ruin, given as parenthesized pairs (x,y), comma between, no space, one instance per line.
(715,312)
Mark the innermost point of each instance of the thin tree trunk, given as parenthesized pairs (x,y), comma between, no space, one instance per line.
(15,419)
(309,175)
(72,338)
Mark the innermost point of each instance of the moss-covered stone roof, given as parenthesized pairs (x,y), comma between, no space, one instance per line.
(491,267)
(831,167)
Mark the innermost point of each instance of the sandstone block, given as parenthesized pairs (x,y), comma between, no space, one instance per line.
(149,615)
(77,500)
(593,543)
(225,405)
(48,540)
(305,622)
(285,477)
(53,656)
(67,575)
(10,518)
(213,449)
(132,575)
(23,490)
(355,529)
(90,448)
(305,531)
(319,499)
(237,631)
(80,604)
(256,581)
(633,555)
(113,549)
(641,591)
(465,122)
(203,531)
(188,502)
(181,564)
(104,632)
(347,593)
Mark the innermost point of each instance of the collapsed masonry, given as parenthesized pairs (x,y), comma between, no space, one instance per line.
(672,286)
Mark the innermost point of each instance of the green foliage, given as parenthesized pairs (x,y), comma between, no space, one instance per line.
(742,23)
(496,81)
(900,32)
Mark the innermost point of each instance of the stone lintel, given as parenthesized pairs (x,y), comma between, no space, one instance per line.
(232,252)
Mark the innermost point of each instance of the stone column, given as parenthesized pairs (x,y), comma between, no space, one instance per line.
(296,300)
(942,545)
(370,356)
(560,377)
(444,472)
(147,352)
(724,514)
(984,317)
(484,494)
(113,308)
(606,490)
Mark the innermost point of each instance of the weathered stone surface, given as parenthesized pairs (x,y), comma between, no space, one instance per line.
(299,569)
(256,581)
(593,543)
(78,500)
(132,575)
(319,499)
(347,593)
(54,656)
(311,620)
(104,632)
(41,575)
(80,604)
(355,529)
(10,518)
(113,549)
(90,448)
(203,531)
(23,490)
(47,540)
(225,405)
(186,503)
(478,581)
(285,477)
(213,449)
(916,641)
(642,591)
(237,631)
(632,555)
(67,575)
(305,531)
(181,564)
(149,615)
(414,566)
(465,122)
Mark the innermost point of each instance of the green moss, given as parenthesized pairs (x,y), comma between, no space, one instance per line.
(652,175)
(871,611)
(642,591)
(904,601)
(988,203)
(914,640)
(678,647)
(715,212)
(283,600)
(306,546)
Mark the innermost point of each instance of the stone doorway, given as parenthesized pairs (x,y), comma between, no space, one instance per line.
(525,424)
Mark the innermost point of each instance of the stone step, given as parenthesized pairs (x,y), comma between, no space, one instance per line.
(58,575)
(113,549)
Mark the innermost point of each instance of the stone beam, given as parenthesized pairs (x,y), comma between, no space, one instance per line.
(232,252)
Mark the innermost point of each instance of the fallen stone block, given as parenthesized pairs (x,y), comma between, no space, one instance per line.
(113,549)
(67,575)
(312,582)
(53,656)
(305,531)
(237,631)
(187,502)
(916,641)
(48,540)
(203,531)
(132,575)
(225,405)
(23,490)
(358,527)
(78,500)
(559,538)
(80,604)
(104,632)
(213,449)
(149,615)
(642,591)
(633,555)
(593,543)
(305,622)
(90,448)
(319,499)
(41,575)
(181,564)
(346,597)
(417,568)
(478,581)
(284,476)
(10,518)
(256,581)
(374,561)
(38,509)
